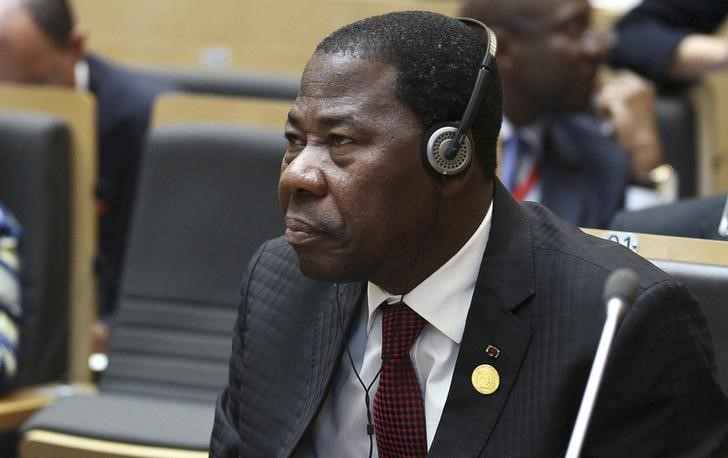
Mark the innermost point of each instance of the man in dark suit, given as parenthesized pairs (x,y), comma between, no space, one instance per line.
(671,40)
(40,44)
(379,246)
(555,151)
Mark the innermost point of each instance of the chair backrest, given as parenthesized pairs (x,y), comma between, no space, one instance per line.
(697,218)
(702,266)
(678,133)
(35,185)
(78,111)
(231,83)
(206,199)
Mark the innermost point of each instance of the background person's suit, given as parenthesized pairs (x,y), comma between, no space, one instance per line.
(585,173)
(538,300)
(124,101)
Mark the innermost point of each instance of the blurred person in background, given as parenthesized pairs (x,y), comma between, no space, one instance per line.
(10,297)
(41,44)
(555,150)
(672,41)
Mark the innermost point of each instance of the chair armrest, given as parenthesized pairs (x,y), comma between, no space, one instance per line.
(46,443)
(18,405)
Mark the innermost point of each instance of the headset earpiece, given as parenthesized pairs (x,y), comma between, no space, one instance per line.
(437,142)
(438,155)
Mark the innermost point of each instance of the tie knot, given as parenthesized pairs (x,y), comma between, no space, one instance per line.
(400,328)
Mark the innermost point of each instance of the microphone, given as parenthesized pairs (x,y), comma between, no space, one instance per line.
(723,225)
(620,290)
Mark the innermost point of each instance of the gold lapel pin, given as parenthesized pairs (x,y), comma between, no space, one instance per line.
(485,379)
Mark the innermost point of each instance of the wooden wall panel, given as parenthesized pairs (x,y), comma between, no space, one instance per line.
(244,35)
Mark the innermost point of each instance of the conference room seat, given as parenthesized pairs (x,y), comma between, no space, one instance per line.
(77,111)
(702,266)
(676,124)
(205,201)
(700,217)
(34,185)
(230,83)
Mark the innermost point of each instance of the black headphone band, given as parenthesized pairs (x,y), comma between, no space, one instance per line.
(481,82)
(447,150)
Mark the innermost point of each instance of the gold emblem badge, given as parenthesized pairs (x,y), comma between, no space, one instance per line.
(485,379)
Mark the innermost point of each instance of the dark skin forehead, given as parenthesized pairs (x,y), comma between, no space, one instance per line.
(332,88)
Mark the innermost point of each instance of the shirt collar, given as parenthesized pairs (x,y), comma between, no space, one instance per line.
(443,298)
(81,78)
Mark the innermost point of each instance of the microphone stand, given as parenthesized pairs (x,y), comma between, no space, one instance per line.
(616,306)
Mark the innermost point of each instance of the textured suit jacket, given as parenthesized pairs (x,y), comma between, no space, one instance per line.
(124,102)
(537,299)
(649,34)
(585,173)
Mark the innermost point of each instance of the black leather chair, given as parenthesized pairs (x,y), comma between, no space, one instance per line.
(206,200)
(34,184)
(230,83)
(697,218)
(676,123)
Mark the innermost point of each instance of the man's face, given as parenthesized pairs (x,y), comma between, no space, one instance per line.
(27,55)
(356,198)
(556,57)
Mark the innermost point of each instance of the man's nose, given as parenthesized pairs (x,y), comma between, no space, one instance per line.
(304,173)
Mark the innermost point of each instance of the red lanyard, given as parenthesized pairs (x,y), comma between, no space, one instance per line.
(525,187)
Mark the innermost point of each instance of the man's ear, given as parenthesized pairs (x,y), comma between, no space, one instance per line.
(77,43)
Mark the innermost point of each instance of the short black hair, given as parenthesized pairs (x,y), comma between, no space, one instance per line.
(53,17)
(437,59)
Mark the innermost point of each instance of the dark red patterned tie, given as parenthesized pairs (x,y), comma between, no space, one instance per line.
(399,413)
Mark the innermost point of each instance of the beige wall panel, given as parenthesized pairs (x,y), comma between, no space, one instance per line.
(250,35)
(194,108)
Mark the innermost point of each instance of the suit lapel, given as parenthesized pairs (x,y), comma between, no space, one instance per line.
(505,281)
(327,344)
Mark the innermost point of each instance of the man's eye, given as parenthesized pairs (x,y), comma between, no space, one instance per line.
(294,141)
(340,140)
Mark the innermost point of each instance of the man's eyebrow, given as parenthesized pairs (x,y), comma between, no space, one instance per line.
(331,120)
(337,120)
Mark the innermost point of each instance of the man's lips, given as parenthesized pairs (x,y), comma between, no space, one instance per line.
(299,231)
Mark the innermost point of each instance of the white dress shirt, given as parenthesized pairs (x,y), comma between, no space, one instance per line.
(443,300)
(81,76)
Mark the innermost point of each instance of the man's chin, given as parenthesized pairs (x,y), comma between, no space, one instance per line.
(318,269)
